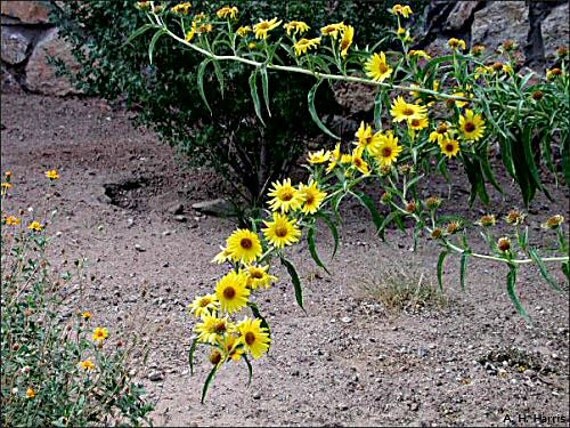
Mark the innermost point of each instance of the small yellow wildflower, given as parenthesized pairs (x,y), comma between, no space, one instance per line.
(212,328)
(401,110)
(456,44)
(487,220)
(244,245)
(553,222)
(312,197)
(418,123)
(553,73)
(12,221)
(471,125)
(358,162)
(263,27)
(281,231)
(515,217)
(182,8)
(243,31)
(255,338)
(87,365)
(377,68)
(204,305)
(86,315)
(302,46)
(257,276)
(100,334)
(333,30)
(30,393)
(443,131)
(404,11)
(232,292)
(36,226)
(285,197)
(296,27)
(318,157)
(52,174)
(449,147)
(223,256)
(226,11)
(334,158)
(419,54)
(231,346)
(387,151)
(346,41)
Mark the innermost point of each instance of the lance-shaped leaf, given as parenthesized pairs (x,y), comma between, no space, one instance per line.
(191,355)
(139,31)
(200,82)
(463,268)
(152,44)
(257,314)
(542,268)
(249,369)
(332,227)
(313,249)
(296,281)
(313,111)
(367,202)
(209,380)
(255,95)
(440,261)
(265,87)
(511,290)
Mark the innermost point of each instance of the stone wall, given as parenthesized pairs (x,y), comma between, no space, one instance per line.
(28,37)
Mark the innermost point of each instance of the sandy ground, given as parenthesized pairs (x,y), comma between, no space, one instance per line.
(349,360)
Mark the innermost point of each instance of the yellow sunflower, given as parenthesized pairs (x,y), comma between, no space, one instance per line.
(387,151)
(257,276)
(226,11)
(254,337)
(377,68)
(333,30)
(296,27)
(456,44)
(223,256)
(243,31)
(443,131)
(419,54)
(318,157)
(403,10)
(281,231)
(302,46)
(346,41)
(204,305)
(12,221)
(401,110)
(312,197)
(244,245)
(418,123)
(212,328)
(471,125)
(36,226)
(100,334)
(231,346)
(359,163)
(334,158)
(263,27)
(285,197)
(232,292)
(449,147)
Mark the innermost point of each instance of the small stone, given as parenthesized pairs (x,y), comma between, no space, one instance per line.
(130,222)
(217,207)
(181,218)
(139,248)
(256,395)
(343,407)
(176,209)
(166,233)
(155,376)
(529,373)
(346,320)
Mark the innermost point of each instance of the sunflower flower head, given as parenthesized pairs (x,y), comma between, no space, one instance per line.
(333,30)
(232,292)
(402,10)
(281,231)
(346,40)
(471,125)
(212,328)
(553,222)
(312,197)
(35,226)
(377,68)
(204,305)
(263,27)
(100,334)
(52,174)
(244,30)
(387,151)
(254,337)
(244,246)
(318,157)
(87,365)
(302,46)
(456,44)
(12,221)
(285,197)
(258,276)
(401,110)
(226,11)
(449,147)
(296,27)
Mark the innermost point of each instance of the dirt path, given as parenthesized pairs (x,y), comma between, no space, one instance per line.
(347,361)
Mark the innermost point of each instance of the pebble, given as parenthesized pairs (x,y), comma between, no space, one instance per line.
(181,218)
(346,320)
(256,395)
(139,248)
(155,376)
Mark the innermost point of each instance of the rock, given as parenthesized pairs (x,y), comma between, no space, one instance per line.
(155,376)
(499,21)
(27,12)
(8,83)
(14,46)
(217,208)
(346,320)
(139,248)
(41,76)
(460,15)
(555,31)
(181,218)
(176,209)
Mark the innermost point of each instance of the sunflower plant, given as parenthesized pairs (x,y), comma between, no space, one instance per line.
(427,111)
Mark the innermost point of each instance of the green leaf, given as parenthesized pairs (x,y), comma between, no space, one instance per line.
(378,110)
(153,41)
(296,281)
(209,380)
(265,87)
(393,215)
(542,268)
(566,270)
(529,158)
(463,268)
(219,75)
(200,82)
(332,228)
(313,249)
(139,31)
(255,95)
(511,290)
(367,202)
(191,355)
(249,369)
(488,172)
(440,261)
(313,111)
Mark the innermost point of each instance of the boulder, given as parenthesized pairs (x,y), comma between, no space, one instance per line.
(499,21)
(40,75)
(8,83)
(555,31)
(461,14)
(14,46)
(27,12)
(217,208)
